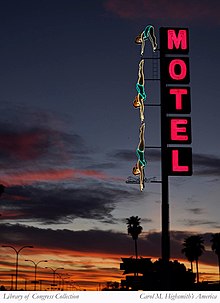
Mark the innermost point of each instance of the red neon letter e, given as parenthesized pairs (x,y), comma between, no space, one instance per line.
(175,162)
(175,129)
(183,69)
(179,41)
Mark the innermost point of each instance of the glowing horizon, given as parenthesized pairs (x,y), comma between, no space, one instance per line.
(86,271)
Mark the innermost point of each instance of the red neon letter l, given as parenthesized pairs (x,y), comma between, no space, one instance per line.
(175,162)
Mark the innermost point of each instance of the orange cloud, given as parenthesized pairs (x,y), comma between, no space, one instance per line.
(31,177)
(86,270)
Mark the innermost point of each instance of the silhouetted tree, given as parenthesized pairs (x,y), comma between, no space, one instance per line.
(187,251)
(134,229)
(193,249)
(180,278)
(152,276)
(216,248)
(112,286)
(2,189)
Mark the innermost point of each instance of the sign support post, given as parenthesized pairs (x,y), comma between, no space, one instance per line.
(175,99)
(165,236)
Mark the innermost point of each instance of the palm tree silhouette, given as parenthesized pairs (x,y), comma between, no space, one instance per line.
(216,248)
(188,253)
(134,229)
(2,189)
(193,249)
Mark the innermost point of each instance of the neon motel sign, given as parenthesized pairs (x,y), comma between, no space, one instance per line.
(176,100)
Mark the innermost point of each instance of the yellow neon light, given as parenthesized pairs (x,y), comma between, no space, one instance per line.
(138,169)
(148,33)
(141,96)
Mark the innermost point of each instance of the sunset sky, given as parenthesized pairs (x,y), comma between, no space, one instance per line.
(69,131)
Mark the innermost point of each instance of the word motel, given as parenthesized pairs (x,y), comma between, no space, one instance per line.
(175,97)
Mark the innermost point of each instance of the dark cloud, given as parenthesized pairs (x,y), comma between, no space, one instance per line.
(107,165)
(53,203)
(171,11)
(206,165)
(39,146)
(82,241)
(30,138)
(196,210)
(129,155)
(125,155)
(193,222)
(203,165)
(97,241)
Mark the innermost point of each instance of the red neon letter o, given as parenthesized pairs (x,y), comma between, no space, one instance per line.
(183,69)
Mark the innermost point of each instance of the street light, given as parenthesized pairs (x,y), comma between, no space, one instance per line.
(54,272)
(62,280)
(35,270)
(16,264)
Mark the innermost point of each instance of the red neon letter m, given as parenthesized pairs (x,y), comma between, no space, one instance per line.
(179,41)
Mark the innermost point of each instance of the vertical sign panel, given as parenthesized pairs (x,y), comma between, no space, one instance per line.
(175,99)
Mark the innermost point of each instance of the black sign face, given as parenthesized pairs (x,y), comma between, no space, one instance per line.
(174,40)
(177,100)
(175,70)
(179,130)
(179,161)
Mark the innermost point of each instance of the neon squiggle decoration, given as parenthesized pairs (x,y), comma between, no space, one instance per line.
(141,96)
(138,169)
(140,84)
(148,33)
